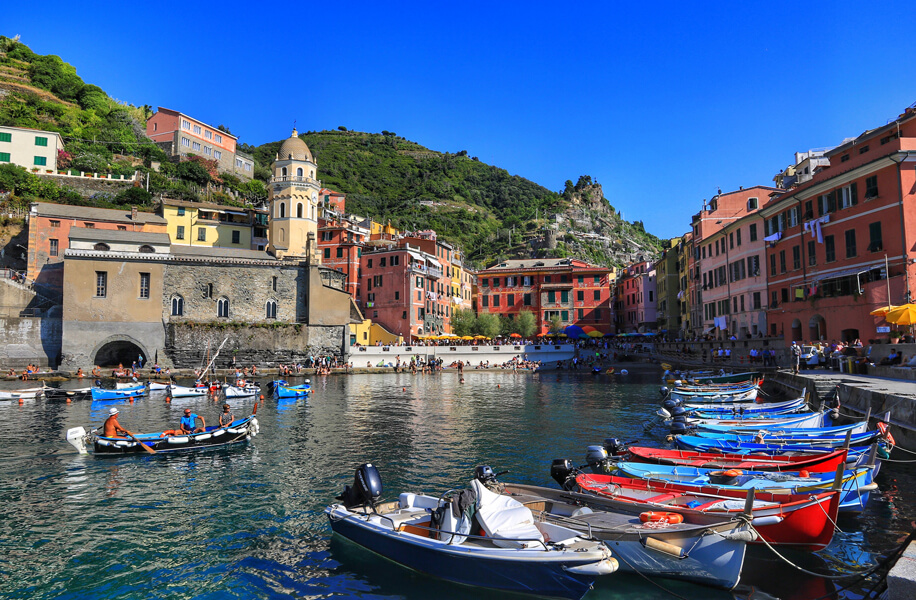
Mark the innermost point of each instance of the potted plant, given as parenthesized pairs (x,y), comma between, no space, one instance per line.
(895,336)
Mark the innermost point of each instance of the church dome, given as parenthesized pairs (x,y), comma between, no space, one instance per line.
(294,148)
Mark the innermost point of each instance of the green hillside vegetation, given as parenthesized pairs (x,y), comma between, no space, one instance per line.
(101,135)
(491,214)
(488,212)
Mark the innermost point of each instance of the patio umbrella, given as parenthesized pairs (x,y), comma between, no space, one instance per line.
(902,315)
(515,335)
(573,331)
(880,312)
(467,337)
(594,333)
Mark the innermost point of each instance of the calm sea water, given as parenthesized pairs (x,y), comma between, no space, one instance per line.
(247,522)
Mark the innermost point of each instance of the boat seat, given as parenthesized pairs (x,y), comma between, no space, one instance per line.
(662,498)
(509,522)
(408,500)
(403,515)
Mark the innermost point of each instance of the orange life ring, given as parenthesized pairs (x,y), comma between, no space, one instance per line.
(733,473)
(886,434)
(661,517)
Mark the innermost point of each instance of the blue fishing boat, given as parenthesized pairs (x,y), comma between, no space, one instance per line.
(284,390)
(750,432)
(102,394)
(745,410)
(706,444)
(857,484)
(759,422)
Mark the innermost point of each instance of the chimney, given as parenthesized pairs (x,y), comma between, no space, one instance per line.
(133,214)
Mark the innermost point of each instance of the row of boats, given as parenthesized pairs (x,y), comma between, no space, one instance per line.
(136,389)
(748,474)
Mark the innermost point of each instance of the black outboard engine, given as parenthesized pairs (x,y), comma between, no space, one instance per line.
(614,446)
(366,489)
(678,428)
(670,404)
(564,472)
(596,457)
(678,411)
(484,474)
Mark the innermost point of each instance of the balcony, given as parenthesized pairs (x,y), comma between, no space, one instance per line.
(288,179)
(428,271)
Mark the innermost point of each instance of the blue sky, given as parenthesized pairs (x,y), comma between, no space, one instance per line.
(661,103)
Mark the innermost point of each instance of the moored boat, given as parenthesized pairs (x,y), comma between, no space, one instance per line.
(816,463)
(180,391)
(517,554)
(134,391)
(21,394)
(64,394)
(283,390)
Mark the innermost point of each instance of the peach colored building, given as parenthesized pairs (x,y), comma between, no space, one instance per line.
(180,135)
(844,243)
(49,234)
(711,253)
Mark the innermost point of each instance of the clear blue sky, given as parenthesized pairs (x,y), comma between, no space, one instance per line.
(662,103)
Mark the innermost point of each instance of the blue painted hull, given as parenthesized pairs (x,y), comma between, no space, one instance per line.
(292,392)
(702,444)
(543,579)
(100,394)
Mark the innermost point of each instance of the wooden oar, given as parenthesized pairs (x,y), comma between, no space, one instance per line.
(142,445)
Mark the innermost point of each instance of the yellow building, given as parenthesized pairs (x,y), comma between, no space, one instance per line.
(381,230)
(293,196)
(368,333)
(205,224)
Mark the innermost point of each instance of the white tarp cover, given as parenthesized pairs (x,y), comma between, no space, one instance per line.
(505,519)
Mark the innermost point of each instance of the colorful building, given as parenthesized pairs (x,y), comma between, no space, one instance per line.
(340,243)
(568,289)
(841,245)
(293,199)
(684,289)
(32,149)
(668,312)
(181,135)
(49,234)
(211,225)
(637,309)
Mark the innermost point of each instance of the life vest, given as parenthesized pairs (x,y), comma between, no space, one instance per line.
(661,517)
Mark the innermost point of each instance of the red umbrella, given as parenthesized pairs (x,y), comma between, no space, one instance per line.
(515,335)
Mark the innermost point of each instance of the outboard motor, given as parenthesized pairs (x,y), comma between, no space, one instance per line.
(664,390)
(663,413)
(669,404)
(366,489)
(678,411)
(678,428)
(564,472)
(614,446)
(596,457)
(484,474)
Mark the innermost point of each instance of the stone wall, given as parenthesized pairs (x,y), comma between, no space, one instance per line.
(88,186)
(248,288)
(189,345)
(35,340)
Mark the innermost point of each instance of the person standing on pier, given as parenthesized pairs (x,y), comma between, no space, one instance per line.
(796,357)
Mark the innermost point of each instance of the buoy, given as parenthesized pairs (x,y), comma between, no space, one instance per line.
(404,389)
(20,401)
(497,385)
(168,399)
(69,401)
(661,517)
(804,473)
(262,396)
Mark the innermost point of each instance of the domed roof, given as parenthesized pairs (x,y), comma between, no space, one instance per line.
(294,148)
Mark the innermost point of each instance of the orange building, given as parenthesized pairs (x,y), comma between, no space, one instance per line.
(49,234)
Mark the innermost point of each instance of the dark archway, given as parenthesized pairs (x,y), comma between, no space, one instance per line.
(796,330)
(118,352)
(849,335)
(817,328)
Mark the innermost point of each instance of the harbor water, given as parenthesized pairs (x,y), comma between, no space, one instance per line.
(248,522)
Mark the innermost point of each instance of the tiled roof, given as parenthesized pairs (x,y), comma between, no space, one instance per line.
(88,213)
(114,235)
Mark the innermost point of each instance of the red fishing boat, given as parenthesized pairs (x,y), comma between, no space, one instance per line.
(813,463)
(804,521)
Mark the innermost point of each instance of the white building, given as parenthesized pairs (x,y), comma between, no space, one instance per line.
(33,149)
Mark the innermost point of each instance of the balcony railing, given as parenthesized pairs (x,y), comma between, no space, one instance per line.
(293,179)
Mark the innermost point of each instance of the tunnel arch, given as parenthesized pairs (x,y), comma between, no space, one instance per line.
(119,349)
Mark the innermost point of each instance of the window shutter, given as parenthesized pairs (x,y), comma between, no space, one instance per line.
(853,191)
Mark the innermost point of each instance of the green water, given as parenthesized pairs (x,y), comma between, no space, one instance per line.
(248,522)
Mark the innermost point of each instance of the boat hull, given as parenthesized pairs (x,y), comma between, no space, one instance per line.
(824,463)
(547,578)
(237,432)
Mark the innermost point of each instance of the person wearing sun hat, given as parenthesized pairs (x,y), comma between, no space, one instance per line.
(188,423)
(112,428)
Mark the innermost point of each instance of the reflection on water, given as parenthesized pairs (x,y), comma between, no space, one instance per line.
(247,522)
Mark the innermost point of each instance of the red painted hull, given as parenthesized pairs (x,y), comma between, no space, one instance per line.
(818,463)
(804,521)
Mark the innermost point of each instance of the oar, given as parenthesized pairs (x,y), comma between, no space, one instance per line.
(142,445)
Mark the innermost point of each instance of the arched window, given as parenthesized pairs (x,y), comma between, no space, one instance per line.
(222,308)
(177,306)
(282,210)
(312,174)
(299,210)
(282,235)
(146,249)
(283,171)
(299,172)
(271,309)
(101,247)
(313,211)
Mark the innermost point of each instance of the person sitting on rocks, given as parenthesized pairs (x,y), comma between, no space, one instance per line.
(892,359)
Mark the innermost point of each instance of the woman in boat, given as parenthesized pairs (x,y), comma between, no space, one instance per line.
(226,417)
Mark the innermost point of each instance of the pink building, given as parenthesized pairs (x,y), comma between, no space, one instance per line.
(180,135)
(636,304)
(712,256)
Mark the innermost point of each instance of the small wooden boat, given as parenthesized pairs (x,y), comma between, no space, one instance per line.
(761,422)
(779,447)
(745,408)
(246,391)
(716,397)
(63,394)
(134,391)
(771,431)
(283,390)
(709,553)
(422,533)
(21,394)
(180,391)
(240,430)
(804,521)
(857,483)
(729,378)
(159,386)
(816,463)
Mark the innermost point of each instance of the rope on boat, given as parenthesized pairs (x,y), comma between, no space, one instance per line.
(821,506)
(863,573)
(647,578)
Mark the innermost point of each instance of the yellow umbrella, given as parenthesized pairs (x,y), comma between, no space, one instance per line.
(880,312)
(902,315)
(467,337)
